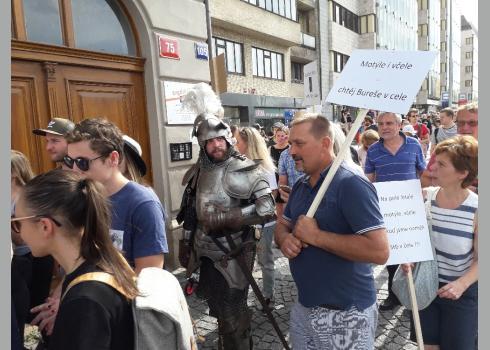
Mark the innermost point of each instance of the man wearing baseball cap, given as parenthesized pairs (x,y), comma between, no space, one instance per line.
(55,132)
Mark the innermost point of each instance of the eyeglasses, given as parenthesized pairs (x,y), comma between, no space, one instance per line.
(471,123)
(15,223)
(82,163)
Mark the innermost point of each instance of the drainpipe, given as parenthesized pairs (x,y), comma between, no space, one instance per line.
(208,26)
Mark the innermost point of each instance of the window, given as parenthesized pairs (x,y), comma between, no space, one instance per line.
(96,25)
(468,54)
(43,22)
(345,17)
(233,54)
(367,24)
(443,24)
(267,64)
(101,26)
(443,46)
(470,96)
(468,69)
(468,83)
(297,72)
(283,8)
(423,30)
(469,40)
(443,67)
(338,61)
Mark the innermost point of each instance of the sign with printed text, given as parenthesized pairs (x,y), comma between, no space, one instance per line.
(201,51)
(383,80)
(311,85)
(169,48)
(403,210)
(174,93)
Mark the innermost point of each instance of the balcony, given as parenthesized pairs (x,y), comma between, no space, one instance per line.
(308,41)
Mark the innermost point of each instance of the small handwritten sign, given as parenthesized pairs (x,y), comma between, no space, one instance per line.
(403,210)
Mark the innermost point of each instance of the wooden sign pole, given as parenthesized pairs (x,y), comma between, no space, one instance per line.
(415,310)
(336,163)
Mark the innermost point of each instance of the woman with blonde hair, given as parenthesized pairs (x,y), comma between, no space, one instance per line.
(251,144)
(368,137)
(21,267)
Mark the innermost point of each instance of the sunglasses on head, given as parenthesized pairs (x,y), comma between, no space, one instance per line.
(15,223)
(82,163)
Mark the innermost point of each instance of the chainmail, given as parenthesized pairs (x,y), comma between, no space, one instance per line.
(206,163)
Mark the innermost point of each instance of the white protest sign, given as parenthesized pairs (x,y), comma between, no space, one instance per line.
(381,79)
(311,85)
(403,210)
(174,92)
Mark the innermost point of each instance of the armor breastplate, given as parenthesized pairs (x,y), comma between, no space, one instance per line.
(210,190)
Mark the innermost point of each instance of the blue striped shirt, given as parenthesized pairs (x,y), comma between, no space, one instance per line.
(287,167)
(402,165)
(452,236)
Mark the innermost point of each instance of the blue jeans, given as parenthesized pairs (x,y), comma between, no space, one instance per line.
(320,328)
(265,257)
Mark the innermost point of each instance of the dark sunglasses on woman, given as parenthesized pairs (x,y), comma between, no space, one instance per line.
(82,163)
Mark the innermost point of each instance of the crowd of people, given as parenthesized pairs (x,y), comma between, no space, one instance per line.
(247,192)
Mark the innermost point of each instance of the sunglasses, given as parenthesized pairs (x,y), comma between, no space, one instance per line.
(82,163)
(15,223)
(470,123)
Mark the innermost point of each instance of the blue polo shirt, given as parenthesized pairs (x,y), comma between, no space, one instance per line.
(403,165)
(349,207)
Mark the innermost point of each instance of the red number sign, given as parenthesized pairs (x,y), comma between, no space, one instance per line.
(169,48)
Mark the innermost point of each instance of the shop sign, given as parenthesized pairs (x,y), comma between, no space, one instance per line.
(169,48)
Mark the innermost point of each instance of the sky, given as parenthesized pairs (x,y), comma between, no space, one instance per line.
(469,9)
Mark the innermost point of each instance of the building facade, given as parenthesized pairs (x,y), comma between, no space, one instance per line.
(346,25)
(266,44)
(117,59)
(429,39)
(450,51)
(469,63)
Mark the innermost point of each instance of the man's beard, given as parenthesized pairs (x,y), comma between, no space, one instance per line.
(58,158)
(218,155)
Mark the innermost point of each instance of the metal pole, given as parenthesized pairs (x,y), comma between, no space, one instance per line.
(208,26)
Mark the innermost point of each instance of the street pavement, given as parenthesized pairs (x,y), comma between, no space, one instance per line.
(393,326)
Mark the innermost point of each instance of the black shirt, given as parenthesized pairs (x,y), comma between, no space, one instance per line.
(92,316)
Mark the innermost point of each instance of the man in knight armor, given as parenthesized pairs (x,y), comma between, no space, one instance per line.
(226,195)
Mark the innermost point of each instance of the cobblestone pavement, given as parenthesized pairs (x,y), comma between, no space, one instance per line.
(392,332)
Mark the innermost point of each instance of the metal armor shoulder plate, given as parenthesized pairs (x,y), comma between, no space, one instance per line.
(242,177)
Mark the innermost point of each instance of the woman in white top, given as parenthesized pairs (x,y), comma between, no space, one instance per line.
(251,144)
(451,320)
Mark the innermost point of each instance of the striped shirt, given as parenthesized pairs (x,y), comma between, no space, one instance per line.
(287,167)
(402,165)
(452,236)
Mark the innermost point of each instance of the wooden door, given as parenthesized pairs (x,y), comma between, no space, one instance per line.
(45,89)
(29,111)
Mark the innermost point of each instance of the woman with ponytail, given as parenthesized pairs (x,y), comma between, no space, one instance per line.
(60,214)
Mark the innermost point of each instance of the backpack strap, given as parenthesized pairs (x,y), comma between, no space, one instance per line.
(99,276)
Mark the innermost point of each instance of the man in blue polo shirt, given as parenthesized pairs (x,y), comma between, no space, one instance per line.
(395,157)
(330,254)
